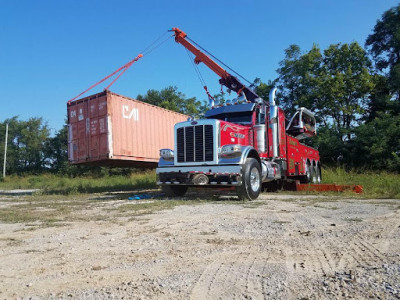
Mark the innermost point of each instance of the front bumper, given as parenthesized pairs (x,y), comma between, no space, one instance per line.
(217,175)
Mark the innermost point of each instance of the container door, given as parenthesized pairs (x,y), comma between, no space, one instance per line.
(94,138)
(83,130)
(97,144)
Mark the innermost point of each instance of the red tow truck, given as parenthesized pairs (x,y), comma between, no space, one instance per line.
(247,143)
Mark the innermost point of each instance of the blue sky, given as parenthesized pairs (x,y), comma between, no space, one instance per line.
(51,51)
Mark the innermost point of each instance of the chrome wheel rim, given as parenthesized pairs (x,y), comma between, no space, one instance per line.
(254,179)
(308,173)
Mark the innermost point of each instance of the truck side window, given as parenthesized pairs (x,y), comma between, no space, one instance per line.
(261,116)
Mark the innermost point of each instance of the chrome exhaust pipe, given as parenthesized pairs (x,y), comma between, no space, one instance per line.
(273,119)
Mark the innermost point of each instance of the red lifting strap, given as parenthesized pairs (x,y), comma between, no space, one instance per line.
(123,69)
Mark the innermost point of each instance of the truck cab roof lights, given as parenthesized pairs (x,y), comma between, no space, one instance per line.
(245,107)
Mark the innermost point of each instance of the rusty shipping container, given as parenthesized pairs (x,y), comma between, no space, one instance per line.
(110,129)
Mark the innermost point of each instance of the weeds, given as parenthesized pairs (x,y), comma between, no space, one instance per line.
(376,185)
(56,184)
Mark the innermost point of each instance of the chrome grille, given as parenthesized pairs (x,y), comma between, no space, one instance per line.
(195,143)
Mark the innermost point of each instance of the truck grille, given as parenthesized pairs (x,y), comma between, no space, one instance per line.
(195,143)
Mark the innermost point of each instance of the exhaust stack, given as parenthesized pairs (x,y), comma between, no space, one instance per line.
(273,117)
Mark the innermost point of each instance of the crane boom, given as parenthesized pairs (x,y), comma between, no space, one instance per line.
(228,80)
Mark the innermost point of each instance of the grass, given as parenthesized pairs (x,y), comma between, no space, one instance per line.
(376,185)
(153,206)
(48,210)
(57,184)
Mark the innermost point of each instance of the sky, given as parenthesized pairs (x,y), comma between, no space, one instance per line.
(50,51)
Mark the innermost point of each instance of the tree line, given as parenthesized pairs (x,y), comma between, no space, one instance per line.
(354,92)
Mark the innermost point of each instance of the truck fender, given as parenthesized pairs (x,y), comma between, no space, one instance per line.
(249,152)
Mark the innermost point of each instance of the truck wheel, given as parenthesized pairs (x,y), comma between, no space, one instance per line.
(251,180)
(314,174)
(308,177)
(317,174)
(174,190)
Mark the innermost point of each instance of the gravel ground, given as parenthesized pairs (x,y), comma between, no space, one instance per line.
(278,247)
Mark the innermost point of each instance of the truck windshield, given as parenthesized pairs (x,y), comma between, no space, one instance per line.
(244,118)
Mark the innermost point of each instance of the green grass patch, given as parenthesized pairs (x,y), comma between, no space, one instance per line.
(376,185)
(46,209)
(57,184)
(152,206)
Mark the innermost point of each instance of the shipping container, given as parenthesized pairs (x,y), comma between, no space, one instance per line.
(107,129)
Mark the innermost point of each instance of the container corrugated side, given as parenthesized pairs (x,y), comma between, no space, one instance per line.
(111,129)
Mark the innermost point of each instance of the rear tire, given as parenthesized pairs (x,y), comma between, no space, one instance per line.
(308,177)
(174,190)
(251,181)
(318,174)
(314,174)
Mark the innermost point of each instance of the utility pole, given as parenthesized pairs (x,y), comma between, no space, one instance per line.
(5,152)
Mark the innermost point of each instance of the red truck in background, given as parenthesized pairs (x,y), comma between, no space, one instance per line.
(245,143)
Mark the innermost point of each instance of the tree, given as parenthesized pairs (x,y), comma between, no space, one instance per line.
(298,78)
(26,143)
(345,84)
(377,143)
(335,84)
(263,88)
(384,45)
(170,98)
(55,150)
(380,100)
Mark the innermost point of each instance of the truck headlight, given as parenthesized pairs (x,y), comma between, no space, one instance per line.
(230,151)
(167,154)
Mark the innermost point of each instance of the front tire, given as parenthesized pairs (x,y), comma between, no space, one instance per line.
(174,190)
(251,181)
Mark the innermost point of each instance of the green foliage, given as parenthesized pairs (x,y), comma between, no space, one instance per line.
(376,185)
(56,150)
(170,98)
(263,88)
(381,100)
(330,145)
(26,144)
(384,45)
(345,83)
(377,143)
(298,78)
(57,184)
(335,84)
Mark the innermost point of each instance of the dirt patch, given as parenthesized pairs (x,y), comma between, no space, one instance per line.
(281,246)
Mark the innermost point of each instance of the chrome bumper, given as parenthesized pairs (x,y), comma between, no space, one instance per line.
(217,175)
